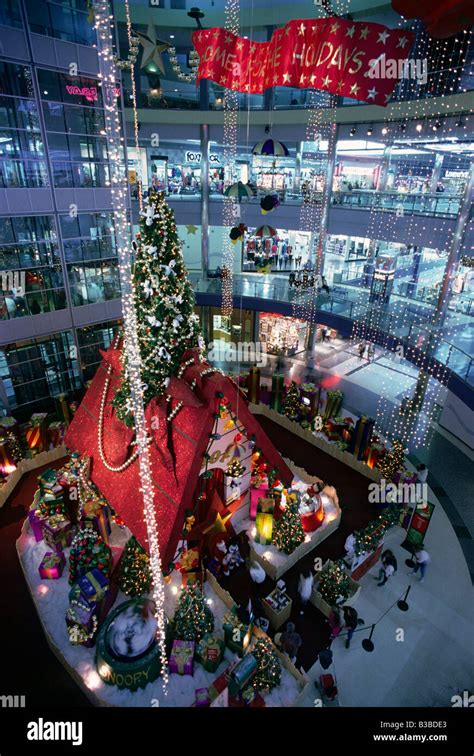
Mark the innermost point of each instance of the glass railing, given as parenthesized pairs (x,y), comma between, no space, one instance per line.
(439,205)
(412,327)
(445,205)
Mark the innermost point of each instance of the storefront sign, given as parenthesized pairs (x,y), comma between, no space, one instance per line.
(196,157)
(90,93)
(457,174)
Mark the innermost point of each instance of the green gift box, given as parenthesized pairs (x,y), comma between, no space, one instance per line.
(278,390)
(237,634)
(210,651)
(241,675)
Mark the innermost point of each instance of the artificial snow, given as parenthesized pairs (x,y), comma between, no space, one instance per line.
(51,598)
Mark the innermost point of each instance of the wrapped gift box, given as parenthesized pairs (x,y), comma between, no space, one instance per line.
(257,493)
(202,697)
(102,607)
(253,384)
(55,434)
(58,532)
(35,431)
(193,577)
(48,478)
(242,673)
(210,651)
(36,520)
(182,657)
(10,425)
(333,404)
(70,491)
(97,513)
(277,393)
(93,585)
(265,395)
(7,461)
(219,685)
(52,565)
(236,634)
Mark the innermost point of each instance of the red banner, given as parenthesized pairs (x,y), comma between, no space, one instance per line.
(354,59)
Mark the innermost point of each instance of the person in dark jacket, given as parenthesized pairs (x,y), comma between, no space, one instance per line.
(351,620)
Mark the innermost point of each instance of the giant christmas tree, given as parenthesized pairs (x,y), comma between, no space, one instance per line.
(167,324)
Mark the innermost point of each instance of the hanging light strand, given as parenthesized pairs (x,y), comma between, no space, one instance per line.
(119,192)
(230,209)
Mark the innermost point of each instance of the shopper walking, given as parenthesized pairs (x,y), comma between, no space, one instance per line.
(351,620)
(422,473)
(389,567)
(422,560)
(362,346)
(305,588)
(290,641)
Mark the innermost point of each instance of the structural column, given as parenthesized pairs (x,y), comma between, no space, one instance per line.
(204,199)
(436,175)
(326,200)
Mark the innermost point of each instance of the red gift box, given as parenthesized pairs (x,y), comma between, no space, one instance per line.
(35,432)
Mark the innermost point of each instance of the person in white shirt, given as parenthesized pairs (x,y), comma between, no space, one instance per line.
(305,588)
(422,473)
(422,560)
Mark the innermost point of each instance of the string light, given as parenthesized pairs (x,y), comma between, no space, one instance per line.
(230,208)
(119,192)
(133,44)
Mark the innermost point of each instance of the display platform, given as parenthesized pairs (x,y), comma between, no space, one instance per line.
(50,598)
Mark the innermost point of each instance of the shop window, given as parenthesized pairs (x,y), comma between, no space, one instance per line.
(282,336)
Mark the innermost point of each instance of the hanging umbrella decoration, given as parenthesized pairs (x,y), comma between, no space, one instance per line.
(238,191)
(269,203)
(237,233)
(263,231)
(271,147)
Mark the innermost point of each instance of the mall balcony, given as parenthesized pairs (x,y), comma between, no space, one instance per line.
(398,178)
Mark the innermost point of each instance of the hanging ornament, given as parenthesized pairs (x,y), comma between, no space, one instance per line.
(271,147)
(237,233)
(269,203)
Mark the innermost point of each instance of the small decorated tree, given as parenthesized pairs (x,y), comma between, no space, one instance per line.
(291,407)
(334,584)
(268,674)
(193,617)
(135,574)
(88,550)
(393,461)
(288,531)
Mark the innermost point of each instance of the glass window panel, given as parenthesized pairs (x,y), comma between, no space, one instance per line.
(62,23)
(10,14)
(15,80)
